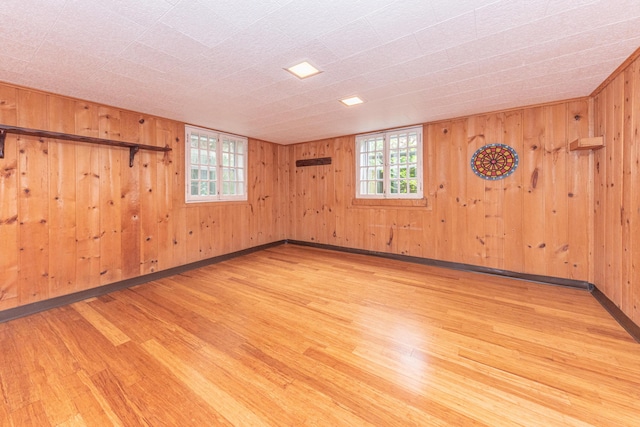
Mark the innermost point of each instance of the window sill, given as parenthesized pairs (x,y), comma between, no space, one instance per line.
(393,203)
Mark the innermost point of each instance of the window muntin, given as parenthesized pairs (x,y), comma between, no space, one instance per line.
(216,165)
(389,164)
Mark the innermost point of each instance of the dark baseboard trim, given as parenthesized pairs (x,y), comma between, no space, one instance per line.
(617,314)
(36,307)
(547,280)
(612,309)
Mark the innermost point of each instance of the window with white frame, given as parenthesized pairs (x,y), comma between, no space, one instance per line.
(389,164)
(216,166)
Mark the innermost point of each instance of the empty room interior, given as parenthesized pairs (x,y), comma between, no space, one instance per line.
(333,213)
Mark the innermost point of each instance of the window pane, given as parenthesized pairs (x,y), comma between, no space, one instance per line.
(194,173)
(204,174)
(380,187)
(240,188)
(225,145)
(204,188)
(402,141)
(371,145)
(241,175)
(212,143)
(194,141)
(194,188)
(413,186)
(212,157)
(380,144)
(212,188)
(225,159)
(372,187)
(204,142)
(194,155)
(240,161)
(371,174)
(394,187)
(393,142)
(240,149)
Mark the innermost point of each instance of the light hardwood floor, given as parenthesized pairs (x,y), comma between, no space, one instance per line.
(296,336)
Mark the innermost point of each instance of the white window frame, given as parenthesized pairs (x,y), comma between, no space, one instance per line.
(229,164)
(386,167)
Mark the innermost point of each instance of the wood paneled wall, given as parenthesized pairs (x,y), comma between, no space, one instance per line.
(75,216)
(538,220)
(617,191)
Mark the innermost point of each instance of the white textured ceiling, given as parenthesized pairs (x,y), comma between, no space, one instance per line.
(219,63)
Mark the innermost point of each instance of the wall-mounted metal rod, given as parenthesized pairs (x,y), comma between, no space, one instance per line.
(132,146)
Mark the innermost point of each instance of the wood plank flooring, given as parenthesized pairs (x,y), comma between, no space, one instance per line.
(294,336)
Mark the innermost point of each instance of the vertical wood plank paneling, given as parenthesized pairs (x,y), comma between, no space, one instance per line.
(62,204)
(632,139)
(513,214)
(206,232)
(89,219)
(165,137)
(192,221)
(494,200)
(600,194)
(9,233)
(458,204)
(282,201)
(556,214)
(430,185)
(179,212)
(110,198)
(87,199)
(579,192)
(443,204)
(148,169)
(532,165)
(33,199)
(615,150)
(130,200)
(626,290)
(630,209)
(476,194)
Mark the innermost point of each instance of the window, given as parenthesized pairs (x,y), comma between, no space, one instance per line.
(389,164)
(216,165)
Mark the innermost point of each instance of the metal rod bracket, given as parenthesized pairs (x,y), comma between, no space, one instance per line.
(3,136)
(132,154)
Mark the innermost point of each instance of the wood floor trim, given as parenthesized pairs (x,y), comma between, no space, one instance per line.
(36,307)
(547,280)
(617,314)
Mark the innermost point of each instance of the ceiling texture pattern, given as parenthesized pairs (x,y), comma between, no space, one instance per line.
(220,63)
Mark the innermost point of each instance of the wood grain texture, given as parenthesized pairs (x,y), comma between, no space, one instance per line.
(616,200)
(522,223)
(295,335)
(75,216)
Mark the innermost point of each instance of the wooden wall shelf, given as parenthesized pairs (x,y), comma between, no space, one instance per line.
(132,146)
(593,143)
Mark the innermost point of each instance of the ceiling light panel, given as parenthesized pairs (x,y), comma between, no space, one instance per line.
(303,70)
(354,100)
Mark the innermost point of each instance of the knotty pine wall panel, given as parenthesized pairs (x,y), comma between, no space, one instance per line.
(75,216)
(524,223)
(617,185)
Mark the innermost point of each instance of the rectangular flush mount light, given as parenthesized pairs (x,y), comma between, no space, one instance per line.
(303,70)
(354,100)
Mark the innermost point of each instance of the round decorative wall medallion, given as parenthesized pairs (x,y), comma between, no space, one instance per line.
(494,161)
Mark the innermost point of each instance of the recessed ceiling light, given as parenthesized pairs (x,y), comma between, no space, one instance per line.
(354,100)
(303,70)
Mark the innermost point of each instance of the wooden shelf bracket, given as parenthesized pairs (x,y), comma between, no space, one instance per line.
(132,146)
(592,143)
